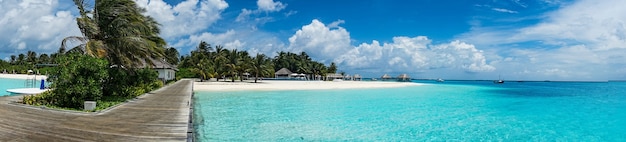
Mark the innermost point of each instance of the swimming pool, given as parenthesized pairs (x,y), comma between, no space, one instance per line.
(6,83)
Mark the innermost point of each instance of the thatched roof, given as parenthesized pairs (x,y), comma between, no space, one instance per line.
(158,64)
(283,71)
(404,76)
(386,76)
(335,75)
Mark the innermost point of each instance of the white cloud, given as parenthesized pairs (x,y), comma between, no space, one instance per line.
(320,41)
(227,38)
(263,6)
(580,41)
(504,10)
(185,18)
(412,54)
(37,25)
(270,5)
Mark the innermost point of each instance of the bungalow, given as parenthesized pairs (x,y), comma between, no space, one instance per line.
(166,70)
(283,73)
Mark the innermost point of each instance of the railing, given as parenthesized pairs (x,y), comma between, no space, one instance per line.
(30,83)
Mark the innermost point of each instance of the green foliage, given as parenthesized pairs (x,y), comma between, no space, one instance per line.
(123,83)
(185,73)
(77,79)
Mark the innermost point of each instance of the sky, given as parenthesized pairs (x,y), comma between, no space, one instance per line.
(568,40)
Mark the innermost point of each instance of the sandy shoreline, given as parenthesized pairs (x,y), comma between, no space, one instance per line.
(268,85)
(22,76)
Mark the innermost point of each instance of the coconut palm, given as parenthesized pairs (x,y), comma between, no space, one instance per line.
(117,31)
(261,65)
(21,58)
(244,62)
(171,55)
(44,59)
(13,58)
(232,63)
(31,57)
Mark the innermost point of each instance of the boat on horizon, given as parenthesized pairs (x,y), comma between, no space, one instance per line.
(440,80)
(499,81)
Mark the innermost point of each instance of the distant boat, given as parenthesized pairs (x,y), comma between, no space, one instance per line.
(440,80)
(499,81)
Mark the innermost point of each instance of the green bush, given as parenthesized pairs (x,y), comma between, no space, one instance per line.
(185,73)
(78,78)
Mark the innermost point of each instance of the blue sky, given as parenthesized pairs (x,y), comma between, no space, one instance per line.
(450,39)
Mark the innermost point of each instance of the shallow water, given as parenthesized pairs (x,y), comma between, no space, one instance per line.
(464,110)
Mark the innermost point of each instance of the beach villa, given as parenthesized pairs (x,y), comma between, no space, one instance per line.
(283,73)
(165,70)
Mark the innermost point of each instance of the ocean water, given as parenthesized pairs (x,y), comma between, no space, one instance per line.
(6,83)
(450,111)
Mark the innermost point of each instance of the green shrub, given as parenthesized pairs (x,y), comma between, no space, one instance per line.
(78,78)
(185,73)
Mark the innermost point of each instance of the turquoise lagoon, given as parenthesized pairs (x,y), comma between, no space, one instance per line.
(6,83)
(452,111)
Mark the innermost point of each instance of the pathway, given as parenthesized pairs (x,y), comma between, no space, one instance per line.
(162,115)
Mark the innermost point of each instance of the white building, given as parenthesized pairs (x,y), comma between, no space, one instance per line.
(166,70)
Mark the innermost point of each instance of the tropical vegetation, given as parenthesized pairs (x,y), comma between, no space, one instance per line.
(108,62)
(206,62)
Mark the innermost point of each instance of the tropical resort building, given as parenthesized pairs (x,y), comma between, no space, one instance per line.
(404,77)
(332,77)
(165,70)
(283,73)
(385,77)
(357,77)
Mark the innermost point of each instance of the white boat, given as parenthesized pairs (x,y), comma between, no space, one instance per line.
(440,80)
(499,81)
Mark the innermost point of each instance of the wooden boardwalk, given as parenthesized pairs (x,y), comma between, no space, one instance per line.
(162,115)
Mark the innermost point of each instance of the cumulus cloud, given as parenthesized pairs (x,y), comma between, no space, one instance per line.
(270,5)
(263,6)
(184,18)
(580,41)
(227,39)
(320,41)
(413,54)
(34,25)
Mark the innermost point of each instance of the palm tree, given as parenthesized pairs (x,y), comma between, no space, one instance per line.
(13,59)
(21,58)
(31,57)
(44,59)
(261,65)
(317,69)
(232,63)
(171,55)
(332,68)
(117,31)
(244,62)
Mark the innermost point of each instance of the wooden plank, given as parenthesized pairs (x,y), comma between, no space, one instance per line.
(162,115)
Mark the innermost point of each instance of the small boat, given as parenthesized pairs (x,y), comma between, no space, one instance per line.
(499,81)
(440,80)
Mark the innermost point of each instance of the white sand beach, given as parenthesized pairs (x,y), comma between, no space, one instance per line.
(268,85)
(22,76)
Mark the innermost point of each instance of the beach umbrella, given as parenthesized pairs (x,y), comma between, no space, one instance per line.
(42,86)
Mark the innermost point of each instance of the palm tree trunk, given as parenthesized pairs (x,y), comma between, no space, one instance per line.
(256,77)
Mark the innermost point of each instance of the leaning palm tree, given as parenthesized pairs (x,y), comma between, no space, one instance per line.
(261,65)
(117,31)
